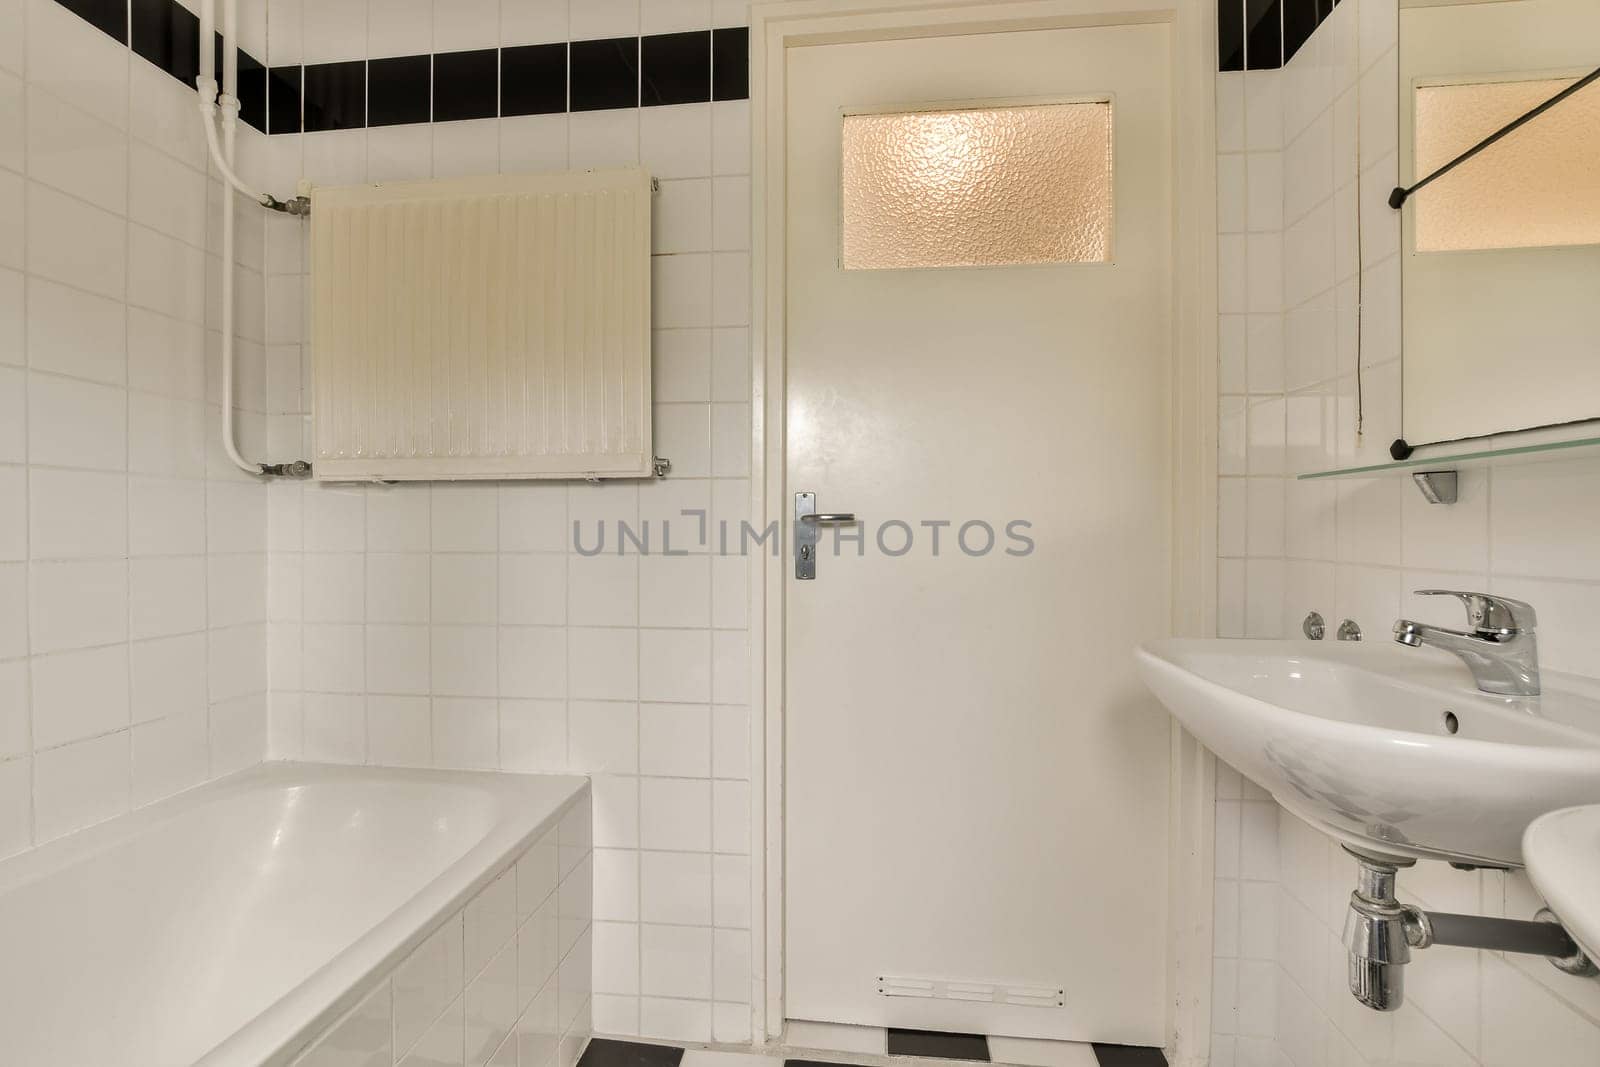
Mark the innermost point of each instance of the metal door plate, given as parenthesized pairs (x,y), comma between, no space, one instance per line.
(805,537)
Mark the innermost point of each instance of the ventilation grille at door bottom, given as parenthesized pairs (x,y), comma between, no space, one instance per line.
(975,992)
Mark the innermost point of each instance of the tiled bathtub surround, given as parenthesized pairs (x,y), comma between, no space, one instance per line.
(504,981)
(440,626)
(1297,215)
(453,625)
(132,554)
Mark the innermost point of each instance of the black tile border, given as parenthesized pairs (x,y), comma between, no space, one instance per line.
(608,1052)
(1263,34)
(1300,21)
(675,68)
(937,1044)
(1129,1056)
(1230,35)
(466,85)
(730,63)
(1266,34)
(252,92)
(399,91)
(283,100)
(655,70)
(603,75)
(335,96)
(533,79)
(168,35)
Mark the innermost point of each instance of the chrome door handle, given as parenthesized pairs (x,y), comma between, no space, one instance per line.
(806,521)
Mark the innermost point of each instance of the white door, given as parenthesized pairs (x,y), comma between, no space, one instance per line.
(976,795)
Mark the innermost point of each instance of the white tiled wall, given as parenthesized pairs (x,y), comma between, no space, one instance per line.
(132,555)
(505,982)
(1297,215)
(454,626)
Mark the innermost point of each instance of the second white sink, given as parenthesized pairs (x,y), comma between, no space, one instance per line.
(1391,750)
(1563,854)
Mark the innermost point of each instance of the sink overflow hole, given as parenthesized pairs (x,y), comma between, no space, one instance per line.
(1451,723)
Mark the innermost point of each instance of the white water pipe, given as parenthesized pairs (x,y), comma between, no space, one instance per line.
(222,153)
(230,52)
(210,104)
(208,33)
(229,439)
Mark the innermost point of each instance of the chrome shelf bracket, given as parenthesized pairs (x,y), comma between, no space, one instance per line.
(1438,487)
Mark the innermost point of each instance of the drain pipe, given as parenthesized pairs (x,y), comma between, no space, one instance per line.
(1380,932)
(222,155)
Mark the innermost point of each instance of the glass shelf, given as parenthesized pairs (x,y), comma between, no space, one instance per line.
(1469,454)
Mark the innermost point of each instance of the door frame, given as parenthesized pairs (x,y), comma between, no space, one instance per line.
(774,28)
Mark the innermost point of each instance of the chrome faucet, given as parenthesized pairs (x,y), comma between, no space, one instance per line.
(1500,650)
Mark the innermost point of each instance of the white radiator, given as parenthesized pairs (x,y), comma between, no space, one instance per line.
(491,327)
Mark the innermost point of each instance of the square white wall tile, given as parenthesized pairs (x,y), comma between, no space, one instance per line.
(14,709)
(168,755)
(398,28)
(603,663)
(168,677)
(675,740)
(80,784)
(467,148)
(399,153)
(603,736)
(676,141)
(675,888)
(75,61)
(534,663)
(533,143)
(77,604)
(76,333)
(675,960)
(603,138)
(675,665)
(76,695)
(593,19)
(533,21)
(675,814)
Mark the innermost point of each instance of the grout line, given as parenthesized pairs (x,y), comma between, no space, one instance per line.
(499,748)
(26,377)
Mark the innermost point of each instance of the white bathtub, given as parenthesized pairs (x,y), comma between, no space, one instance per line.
(308,914)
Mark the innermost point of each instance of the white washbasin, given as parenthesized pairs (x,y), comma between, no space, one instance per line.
(1356,739)
(1562,850)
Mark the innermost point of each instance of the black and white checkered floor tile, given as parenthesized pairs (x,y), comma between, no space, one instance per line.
(807,1045)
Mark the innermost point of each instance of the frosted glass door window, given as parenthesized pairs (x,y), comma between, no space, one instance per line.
(1539,187)
(978,187)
